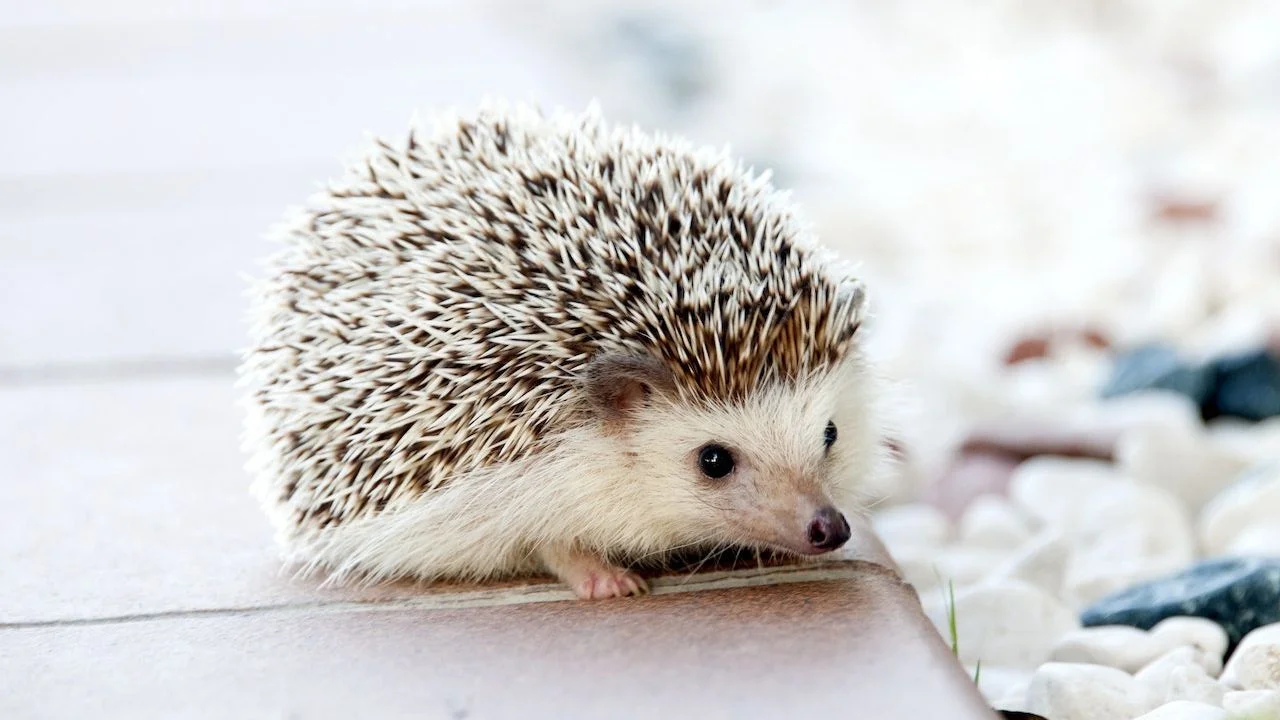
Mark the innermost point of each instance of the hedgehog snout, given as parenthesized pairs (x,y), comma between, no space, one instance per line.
(828,530)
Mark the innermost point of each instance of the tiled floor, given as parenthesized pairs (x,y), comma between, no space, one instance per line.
(143,150)
(783,651)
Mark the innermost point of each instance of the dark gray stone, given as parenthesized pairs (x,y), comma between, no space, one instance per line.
(1246,386)
(1238,593)
(1157,367)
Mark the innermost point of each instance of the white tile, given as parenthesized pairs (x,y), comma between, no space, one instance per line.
(129,498)
(247,92)
(126,285)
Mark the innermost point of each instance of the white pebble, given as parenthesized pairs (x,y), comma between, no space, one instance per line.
(965,566)
(918,567)
(1205,635)
(993,521)
(1010,624)
(1091,575)
(1046,385)
(1255,664)
(916,564)
(1130,649)
(1185,462)
(1127,533)
(997,682)
(1054,489)
(1118,646)
(1180,675)
(1259,539)
(1253,499)
(1154,408)
(1075,691)
(1041,561)
(913,524)
(1185,710)
(1260,440)
(1252,704)
(1015,697)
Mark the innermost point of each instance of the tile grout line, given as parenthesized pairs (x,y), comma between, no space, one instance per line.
(471,599)
(106,371)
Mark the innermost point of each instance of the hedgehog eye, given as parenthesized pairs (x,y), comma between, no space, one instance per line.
(829,435)
(716,461)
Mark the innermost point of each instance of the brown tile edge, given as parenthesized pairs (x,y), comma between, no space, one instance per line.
(538,592)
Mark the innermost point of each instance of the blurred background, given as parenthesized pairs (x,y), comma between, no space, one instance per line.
(1077,173)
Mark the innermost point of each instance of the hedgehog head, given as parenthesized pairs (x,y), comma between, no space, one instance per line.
(774,468)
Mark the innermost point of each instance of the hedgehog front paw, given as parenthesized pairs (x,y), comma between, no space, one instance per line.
(591,578)
(609,583)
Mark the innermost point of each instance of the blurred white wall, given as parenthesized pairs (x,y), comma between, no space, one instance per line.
(145,147)
(995,164)
(999,166)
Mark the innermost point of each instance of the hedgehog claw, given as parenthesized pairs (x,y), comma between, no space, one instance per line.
(591,578)
(609,583)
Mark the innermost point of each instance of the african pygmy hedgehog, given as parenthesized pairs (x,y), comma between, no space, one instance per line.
(522,342)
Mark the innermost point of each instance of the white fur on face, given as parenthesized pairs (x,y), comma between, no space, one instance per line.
(782,471)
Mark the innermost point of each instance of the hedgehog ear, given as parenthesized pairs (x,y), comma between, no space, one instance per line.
(617,383)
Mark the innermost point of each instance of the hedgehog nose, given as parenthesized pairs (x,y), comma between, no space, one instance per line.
(828,530)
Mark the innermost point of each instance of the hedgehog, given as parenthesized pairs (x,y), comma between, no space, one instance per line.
(518,343)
